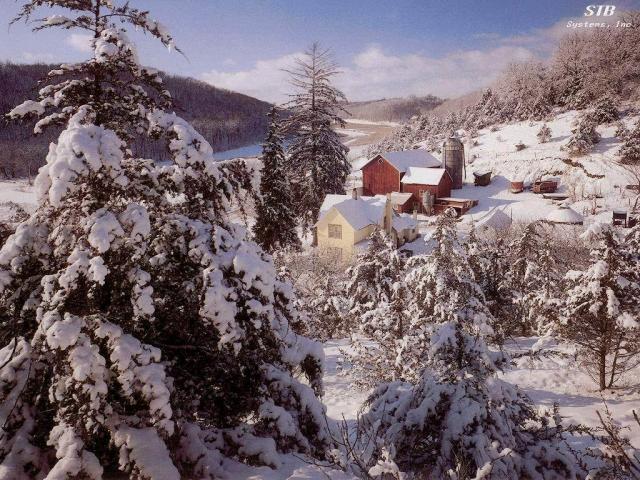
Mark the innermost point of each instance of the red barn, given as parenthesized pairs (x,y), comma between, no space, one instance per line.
(410,171)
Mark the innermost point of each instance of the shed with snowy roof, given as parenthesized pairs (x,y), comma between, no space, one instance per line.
(346,222)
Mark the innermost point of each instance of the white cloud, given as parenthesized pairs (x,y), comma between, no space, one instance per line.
(80,42)
(266,80)
(373,73)
(38,57)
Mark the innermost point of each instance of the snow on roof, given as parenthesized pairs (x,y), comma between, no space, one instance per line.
(498,220)
(363,211)
(423,176)
(398,198)
(358,212)
(418,157)
(566,215)
(404,222)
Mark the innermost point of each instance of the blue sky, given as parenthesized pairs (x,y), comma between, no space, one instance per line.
(386,48)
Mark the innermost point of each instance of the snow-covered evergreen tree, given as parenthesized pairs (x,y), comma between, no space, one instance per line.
(459,420)
(629,153)
(442,285)
(604,110)
(600,312)
(141,331)
(317,162)
(489,260)
(372,276)
(275,226)
(380,310)
(523,277)
(584,137)
(621,130)
(544,134)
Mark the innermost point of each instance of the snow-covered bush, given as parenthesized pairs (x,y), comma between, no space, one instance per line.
(600,311)
(604,110)
(629,153)
(584,137)
(141,331)
(520,146)
(320,289)
(459,420)
(544,134)
(618,458)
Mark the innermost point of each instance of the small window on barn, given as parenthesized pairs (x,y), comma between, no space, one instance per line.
(335,230)
(380,161)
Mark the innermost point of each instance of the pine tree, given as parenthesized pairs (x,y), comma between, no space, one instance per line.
(442,284)
(140,330)
(489,260)
(630,151)
(600,310)
(375,271)
(584,137)
(380,310)
(275,226)
(318,162)
(621,131)
(522,278)
(459,420)
(605,110)
(544,134)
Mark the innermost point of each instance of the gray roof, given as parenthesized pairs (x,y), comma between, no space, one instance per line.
(404,159)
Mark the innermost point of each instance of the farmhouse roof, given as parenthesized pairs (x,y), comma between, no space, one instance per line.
(363,211)
(423,176)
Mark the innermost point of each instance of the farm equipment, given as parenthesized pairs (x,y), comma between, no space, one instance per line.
(545,186)
(481,179)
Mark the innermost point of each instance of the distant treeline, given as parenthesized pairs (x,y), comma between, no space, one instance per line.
(393,109)
(226,119)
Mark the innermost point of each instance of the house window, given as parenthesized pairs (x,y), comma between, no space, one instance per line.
(335,230)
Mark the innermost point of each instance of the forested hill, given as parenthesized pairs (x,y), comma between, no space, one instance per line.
(227,119)
(392,109)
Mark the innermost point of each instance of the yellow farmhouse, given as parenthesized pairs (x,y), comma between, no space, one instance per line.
(346,222)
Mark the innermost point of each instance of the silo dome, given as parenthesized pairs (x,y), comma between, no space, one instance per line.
(453,159)
(453,143)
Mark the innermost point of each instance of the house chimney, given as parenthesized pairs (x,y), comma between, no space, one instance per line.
(388,215)
(354,193)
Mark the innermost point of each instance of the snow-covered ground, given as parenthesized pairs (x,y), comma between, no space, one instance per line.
(595,174)
(547,382)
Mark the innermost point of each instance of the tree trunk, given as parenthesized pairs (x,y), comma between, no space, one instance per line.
(602,367)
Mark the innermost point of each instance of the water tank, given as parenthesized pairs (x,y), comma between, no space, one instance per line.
(453,159)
